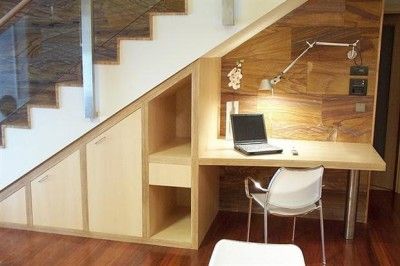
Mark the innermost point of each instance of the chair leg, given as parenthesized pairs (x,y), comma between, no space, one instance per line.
(265,225)
(322,233)
(294,228)
(249,219)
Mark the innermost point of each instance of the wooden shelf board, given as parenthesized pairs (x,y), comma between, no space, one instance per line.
(178,228)
(175,152)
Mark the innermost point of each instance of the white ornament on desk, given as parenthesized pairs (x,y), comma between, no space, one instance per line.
(232,107)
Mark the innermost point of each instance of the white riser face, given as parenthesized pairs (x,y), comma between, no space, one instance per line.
(144,64)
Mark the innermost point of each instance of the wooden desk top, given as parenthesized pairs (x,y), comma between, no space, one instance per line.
(332,155)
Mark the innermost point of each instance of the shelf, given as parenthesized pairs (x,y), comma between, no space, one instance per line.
(169,164)
(170,214)
(176,152)
(170,122)
(178,227)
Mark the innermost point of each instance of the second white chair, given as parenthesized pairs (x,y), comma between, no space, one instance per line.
(291,193)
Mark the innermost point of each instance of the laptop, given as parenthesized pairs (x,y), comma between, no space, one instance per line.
(249,135)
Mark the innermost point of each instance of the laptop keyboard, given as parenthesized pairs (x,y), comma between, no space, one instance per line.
(256,147)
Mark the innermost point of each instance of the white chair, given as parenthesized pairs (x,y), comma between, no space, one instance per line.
(231,252)
(291,193)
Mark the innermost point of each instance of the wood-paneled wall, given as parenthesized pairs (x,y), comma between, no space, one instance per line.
(312,102)
(7,5)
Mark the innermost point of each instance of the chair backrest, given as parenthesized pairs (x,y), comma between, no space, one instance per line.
(295,188)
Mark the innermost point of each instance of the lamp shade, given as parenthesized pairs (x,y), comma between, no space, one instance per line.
(265,85)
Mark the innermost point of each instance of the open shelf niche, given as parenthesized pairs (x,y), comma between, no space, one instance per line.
(170,214)
(170,124)
(169,158)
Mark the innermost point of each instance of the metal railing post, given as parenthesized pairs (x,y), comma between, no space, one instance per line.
(87,58)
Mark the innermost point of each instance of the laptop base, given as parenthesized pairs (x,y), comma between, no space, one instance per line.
(273,150)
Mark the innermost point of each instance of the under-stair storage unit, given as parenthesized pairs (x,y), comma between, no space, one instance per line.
(57,196)
(114,179)
(135,177)
(170,164)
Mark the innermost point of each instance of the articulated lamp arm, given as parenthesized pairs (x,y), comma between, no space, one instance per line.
(278,78)
(268,84)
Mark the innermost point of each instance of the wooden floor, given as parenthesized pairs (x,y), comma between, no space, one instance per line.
(377,243)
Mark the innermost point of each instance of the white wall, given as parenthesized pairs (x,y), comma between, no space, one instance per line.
(178,41)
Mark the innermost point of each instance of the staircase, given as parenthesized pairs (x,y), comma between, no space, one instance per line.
(45,48)
(132,70)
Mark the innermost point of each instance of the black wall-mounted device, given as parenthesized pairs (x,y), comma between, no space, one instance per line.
(359,70)
(358,87)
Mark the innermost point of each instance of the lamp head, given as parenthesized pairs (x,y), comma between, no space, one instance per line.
(352,54)
(267,85)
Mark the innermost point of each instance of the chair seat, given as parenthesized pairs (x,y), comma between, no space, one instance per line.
(230,252)
(260,199)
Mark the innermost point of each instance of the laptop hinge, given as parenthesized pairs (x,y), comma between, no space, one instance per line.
(251,141)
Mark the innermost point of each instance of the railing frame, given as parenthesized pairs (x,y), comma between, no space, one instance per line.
(13,12)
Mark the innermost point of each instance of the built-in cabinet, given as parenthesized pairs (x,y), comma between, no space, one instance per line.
(57,195)
(134,178)
(96,189)
(114,179)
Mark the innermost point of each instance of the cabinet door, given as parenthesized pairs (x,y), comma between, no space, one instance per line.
(57,196)
(114,162)
(13,208)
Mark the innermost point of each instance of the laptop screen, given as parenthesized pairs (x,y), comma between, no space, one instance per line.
(248,127)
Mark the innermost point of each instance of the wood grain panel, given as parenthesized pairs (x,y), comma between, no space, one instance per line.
(294,117)
(13,208)
(170,214)
(8,8)
(57,192)
(323,72)
(7,5)
(208,205)
(317,13)
(312,101)
(170,113)
(173,175)
(114,179)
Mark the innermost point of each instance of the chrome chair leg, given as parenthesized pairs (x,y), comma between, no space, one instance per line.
(322,233)
(294,228)
(249,219)
(265,225)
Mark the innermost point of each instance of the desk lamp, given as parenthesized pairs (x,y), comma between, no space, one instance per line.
(268,85)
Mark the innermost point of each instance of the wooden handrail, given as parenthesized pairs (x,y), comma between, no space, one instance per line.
(13,11)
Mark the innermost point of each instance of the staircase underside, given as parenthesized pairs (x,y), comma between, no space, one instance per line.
(47,53)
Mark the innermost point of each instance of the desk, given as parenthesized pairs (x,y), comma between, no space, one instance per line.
(332,155)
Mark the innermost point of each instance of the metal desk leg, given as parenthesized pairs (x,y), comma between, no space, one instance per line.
(350,215)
